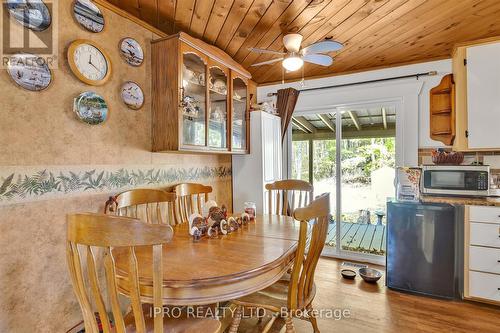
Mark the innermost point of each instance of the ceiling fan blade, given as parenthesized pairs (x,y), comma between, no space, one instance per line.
(267,62)
(318,59)
(323,47)
(292,42)
(262,51)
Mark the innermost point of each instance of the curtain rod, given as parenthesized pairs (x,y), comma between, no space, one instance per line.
(431,73)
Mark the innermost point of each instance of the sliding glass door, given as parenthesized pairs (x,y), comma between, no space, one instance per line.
(350,152)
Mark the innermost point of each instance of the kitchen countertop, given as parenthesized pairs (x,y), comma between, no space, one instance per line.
(473,201)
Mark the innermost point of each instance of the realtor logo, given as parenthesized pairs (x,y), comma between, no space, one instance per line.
(29,26)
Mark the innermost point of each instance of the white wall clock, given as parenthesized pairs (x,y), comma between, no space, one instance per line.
(88,62)
(132,95)
(33,14)
(88,15)
(29,71)
(131,51)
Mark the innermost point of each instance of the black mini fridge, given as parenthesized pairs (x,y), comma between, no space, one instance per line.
(425,248)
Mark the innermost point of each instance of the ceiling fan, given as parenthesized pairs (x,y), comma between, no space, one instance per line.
(295,57)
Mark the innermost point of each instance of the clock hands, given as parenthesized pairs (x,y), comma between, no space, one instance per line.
(91,64)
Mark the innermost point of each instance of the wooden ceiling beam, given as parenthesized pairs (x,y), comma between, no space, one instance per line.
(327,121)
(299,126)
(384,118)
(326,134)
(305,123)
(355,120)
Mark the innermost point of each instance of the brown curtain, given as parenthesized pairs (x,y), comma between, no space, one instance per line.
(287,99)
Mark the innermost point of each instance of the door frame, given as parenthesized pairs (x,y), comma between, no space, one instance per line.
(404,94)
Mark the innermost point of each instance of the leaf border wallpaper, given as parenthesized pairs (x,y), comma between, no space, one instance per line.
(46,183)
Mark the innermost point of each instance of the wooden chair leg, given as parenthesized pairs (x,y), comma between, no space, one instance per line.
(235,324)
(289,324)
(269,324)
(312,318)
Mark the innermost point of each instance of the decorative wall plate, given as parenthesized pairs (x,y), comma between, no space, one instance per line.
(90,108)
(131,51)
(88,62)
(132,95)
(32,14)
(29,71)
(88,15)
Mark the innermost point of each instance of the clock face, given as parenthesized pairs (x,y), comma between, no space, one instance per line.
(33,14)
(90,64)
(88,15)
(132,95)
(29,71)
(131,51)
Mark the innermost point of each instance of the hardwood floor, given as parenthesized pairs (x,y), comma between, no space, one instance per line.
(375,308)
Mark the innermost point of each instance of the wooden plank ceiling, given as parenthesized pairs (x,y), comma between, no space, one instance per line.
(376,33)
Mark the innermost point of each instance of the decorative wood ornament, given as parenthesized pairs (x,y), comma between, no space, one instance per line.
(89,63)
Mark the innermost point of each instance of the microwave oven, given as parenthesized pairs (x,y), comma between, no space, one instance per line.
(458,180)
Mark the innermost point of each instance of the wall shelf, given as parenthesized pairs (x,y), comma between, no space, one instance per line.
(442,111)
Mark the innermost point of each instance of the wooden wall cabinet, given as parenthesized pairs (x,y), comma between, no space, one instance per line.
(442,111)
(477,104)
(200,98)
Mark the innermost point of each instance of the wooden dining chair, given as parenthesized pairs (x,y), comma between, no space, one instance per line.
(296,293)
(149,205)
(86,234)
(190,199)
(287,195)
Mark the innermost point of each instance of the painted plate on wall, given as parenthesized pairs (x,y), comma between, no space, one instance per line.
(33,14)
(88,15)
(29,71)
(91,108)
(131,51)
(132,95)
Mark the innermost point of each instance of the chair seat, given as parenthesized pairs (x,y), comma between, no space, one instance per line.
(273,297)
(175,325)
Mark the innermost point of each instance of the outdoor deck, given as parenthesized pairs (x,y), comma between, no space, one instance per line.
(359,237)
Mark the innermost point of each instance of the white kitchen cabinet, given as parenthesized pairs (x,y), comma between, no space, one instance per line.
(262,166)
(483,95)
(482,254)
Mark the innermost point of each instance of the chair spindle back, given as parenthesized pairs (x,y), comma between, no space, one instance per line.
(89,231)
(300,291)
(287,195)
(149,205)
(190,199)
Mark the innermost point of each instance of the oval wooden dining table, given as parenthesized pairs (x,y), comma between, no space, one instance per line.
(218,269)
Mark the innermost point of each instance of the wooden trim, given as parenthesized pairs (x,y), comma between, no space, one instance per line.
(130,17)
(210,51)
(476,42)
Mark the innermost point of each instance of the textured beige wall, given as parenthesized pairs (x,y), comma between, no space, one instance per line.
(40,130)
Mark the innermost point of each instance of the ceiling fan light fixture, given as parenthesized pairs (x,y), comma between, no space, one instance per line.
(293,63)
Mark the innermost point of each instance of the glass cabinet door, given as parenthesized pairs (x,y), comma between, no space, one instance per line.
(217,120)
(193,100)
(239,126)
